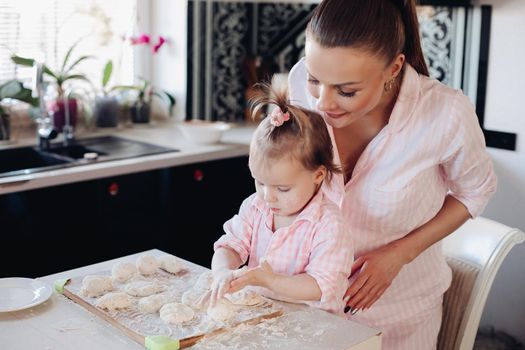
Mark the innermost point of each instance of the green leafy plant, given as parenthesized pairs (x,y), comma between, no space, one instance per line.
(106,75)
(64,73)
(145,93)
(14,89)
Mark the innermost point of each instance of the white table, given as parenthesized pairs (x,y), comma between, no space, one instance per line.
(59,323)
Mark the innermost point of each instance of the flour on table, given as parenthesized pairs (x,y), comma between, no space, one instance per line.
(204,281)
(123,271)
(152,303)
(114,301)
(173,286)
(176,313)
(245,297)
(96,285)
(192,296)
(171,264)
(143,288)
(147,265)
(222,311)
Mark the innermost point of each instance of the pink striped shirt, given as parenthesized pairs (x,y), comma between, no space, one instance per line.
(316,243)
(432,146)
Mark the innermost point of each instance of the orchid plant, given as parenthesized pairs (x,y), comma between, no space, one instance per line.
(145,39)
(145,91)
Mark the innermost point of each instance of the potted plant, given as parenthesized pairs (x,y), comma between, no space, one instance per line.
(66,73)
(106,105)
(140,109)
(12,89)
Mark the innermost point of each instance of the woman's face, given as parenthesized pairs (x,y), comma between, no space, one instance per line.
(348,83)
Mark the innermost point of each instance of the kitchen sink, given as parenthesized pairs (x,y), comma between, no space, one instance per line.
(20,159)
(27,160)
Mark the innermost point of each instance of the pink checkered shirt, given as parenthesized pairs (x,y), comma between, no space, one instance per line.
(316,243)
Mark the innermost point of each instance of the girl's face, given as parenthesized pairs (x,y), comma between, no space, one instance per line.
(348,82)
(285,185)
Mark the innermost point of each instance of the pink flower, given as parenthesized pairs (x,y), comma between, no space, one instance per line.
(142,39)
(145,39)
(159,44)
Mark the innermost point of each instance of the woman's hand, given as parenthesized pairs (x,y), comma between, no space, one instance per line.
(258,276)
(377,269)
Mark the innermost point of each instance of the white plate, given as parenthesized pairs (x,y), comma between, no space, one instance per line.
(21,293)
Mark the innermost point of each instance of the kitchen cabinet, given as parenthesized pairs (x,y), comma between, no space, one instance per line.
(206,195)
(179,209)
(72,225)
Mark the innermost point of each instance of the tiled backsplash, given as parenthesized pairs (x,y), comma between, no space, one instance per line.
(232,45)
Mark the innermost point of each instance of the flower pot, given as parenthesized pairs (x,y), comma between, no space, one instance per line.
(140,113)
(57,107)
(5,127)
(106,112)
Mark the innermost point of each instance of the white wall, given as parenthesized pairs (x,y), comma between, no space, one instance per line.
(168,68)
(505,111)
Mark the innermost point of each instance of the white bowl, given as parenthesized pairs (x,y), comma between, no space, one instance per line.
(203,132)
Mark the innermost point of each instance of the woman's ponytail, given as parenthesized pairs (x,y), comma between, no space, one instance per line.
(413,51)
(384,27)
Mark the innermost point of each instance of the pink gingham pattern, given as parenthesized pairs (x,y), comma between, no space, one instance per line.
(432,146)
(316,243)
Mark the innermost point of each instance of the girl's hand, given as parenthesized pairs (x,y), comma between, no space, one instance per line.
(221,283)
(377,270)
(258,276)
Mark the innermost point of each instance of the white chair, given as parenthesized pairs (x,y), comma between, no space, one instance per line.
(474,252)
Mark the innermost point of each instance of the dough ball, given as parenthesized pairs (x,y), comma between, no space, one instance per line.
(191,296)
(95,285)
(171,264)
(143,288)
(176,313)
(152,304)
(123,271)
(114,301)
(245,297)
(147,265)
(204,281)
(222,311)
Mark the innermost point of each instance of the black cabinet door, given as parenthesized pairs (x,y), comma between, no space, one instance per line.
(58,228)
(45,230)
(130,212)
(205,195)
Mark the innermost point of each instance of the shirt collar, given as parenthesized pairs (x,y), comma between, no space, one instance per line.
(406,100)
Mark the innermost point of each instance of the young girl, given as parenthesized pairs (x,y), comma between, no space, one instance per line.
(291,235)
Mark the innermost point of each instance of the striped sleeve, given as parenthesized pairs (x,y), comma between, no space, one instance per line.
(238,230)
(468,166)
(330,263)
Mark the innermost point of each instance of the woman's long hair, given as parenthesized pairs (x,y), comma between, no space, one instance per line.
(383,27)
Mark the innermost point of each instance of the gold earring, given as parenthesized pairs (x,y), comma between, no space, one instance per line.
(389,84)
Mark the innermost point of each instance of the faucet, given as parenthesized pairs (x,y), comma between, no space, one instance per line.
(45,128)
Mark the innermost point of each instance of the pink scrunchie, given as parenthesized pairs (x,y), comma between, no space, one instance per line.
(277,118)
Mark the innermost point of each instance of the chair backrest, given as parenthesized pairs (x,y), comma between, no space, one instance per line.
(474,252)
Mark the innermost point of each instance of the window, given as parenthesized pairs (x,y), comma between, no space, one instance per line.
(46,29)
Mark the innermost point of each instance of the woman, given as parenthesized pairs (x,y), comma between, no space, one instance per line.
(413,156)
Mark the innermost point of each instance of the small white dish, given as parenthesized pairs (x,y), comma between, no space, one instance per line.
(203,132)
(18,293)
